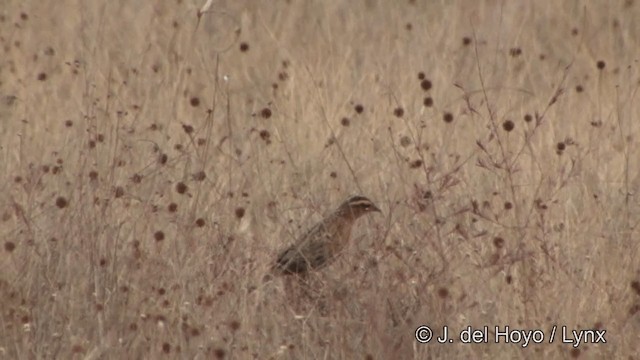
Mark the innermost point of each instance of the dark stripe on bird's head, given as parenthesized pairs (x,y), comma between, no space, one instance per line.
(361,203)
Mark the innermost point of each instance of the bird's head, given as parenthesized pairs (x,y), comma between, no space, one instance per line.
(357,206)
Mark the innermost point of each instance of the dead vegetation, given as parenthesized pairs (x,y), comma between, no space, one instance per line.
(152,169)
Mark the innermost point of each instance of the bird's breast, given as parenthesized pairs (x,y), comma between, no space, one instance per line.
(339,238)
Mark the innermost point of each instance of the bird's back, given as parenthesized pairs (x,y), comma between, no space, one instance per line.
(320,245)
(313,250)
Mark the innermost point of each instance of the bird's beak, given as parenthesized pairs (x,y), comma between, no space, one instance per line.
(375,208)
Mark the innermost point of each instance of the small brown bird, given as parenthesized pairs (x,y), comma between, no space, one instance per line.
(320,244)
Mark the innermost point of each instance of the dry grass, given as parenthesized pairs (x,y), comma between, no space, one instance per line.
(152,170)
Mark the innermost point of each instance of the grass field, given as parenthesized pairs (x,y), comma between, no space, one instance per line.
(153,166)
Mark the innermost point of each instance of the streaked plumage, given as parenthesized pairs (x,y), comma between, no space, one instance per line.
(320,244)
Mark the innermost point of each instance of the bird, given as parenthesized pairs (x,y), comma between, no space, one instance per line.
(318,246)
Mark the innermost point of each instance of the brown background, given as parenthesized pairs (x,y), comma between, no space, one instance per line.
(151,169)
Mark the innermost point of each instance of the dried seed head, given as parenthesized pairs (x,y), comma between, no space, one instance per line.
(266,136)
(219,353)
(9,246)
(443,292)
(187,128)
(426,84)
(181,188)
(61,202)
(508,125)
(561,146)
(158,236)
